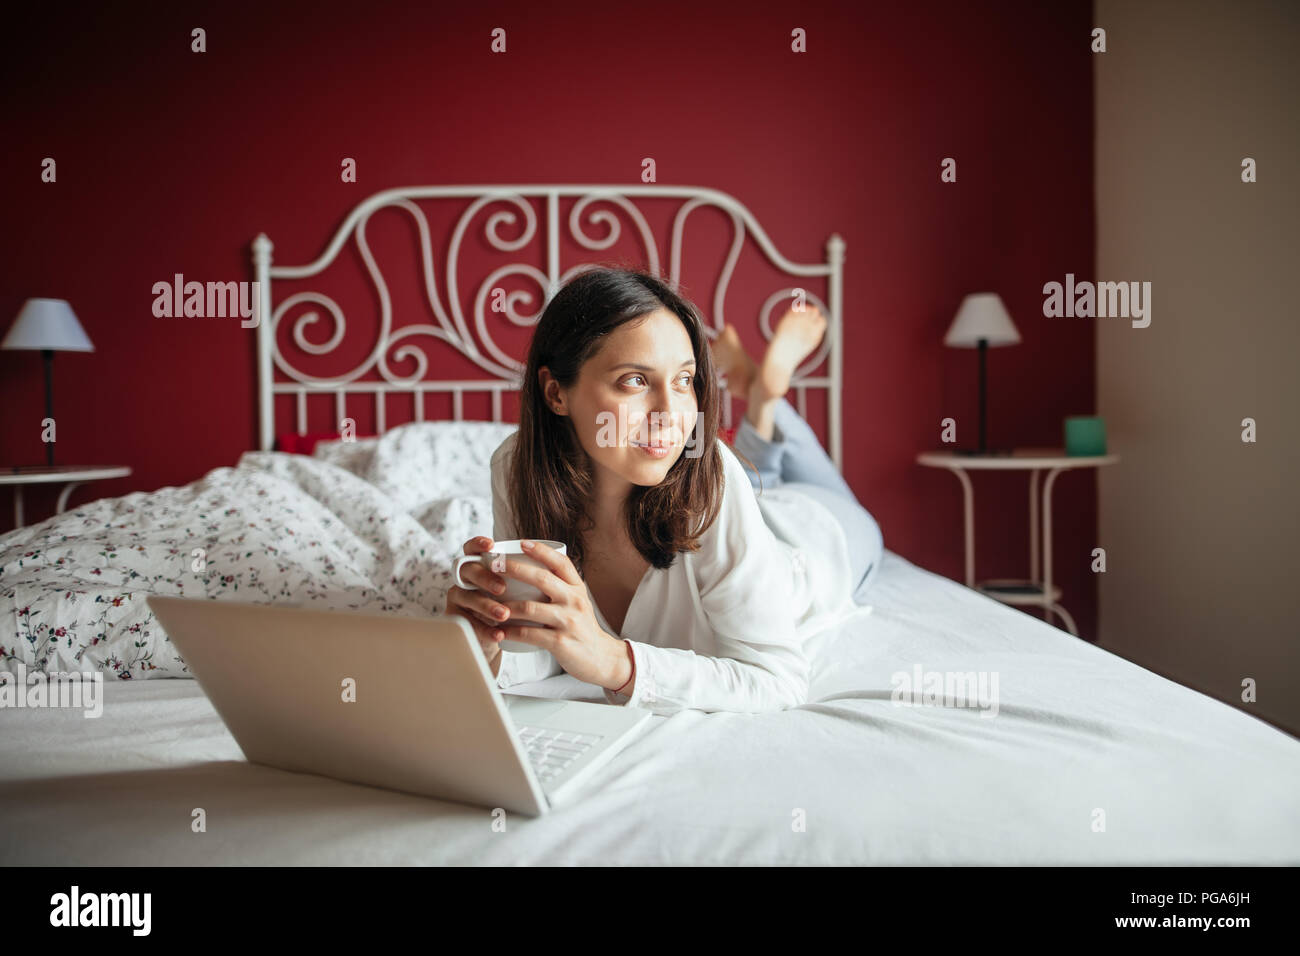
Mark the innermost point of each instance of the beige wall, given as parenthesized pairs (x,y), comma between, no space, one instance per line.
(1202,531)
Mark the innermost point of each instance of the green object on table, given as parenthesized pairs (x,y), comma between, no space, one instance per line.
(1085,436)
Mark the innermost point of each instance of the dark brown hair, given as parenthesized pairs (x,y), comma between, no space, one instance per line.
(551,476)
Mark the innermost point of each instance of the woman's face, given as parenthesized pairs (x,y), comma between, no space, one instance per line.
(633,403)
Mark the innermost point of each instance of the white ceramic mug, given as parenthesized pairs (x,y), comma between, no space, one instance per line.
(516,590)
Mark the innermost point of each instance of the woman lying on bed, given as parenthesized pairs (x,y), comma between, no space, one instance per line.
(680,588)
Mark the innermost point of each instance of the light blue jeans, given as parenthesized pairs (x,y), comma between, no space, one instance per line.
(794,458)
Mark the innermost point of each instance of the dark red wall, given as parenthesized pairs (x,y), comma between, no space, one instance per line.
(170,161)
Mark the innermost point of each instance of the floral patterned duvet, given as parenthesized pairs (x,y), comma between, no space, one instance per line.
(277,528)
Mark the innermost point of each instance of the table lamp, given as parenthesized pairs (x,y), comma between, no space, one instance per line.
(981,321)
(50,326)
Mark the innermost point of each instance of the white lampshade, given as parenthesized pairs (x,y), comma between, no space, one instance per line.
(47,324)
(981,316)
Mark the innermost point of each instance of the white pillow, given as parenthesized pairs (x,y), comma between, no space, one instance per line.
(424,461)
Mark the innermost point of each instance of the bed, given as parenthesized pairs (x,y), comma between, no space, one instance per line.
(1065,754)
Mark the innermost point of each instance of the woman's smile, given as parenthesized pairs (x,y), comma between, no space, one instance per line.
(654,451)
(658,438)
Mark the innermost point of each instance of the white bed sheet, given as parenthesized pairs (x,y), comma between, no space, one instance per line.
(1181,778)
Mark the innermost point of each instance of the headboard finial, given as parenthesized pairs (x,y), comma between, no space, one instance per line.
(835,247)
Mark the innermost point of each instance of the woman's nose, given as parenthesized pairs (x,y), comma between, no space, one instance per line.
(670,407)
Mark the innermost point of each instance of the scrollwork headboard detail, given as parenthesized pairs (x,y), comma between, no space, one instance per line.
(469,335)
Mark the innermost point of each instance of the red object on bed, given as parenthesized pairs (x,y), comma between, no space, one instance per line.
(305,444)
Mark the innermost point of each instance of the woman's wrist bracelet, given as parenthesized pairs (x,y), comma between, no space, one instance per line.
(633,658)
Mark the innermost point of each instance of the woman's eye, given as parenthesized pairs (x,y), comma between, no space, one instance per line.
(684,380)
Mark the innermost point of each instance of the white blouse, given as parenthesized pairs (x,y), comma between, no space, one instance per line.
(724,627)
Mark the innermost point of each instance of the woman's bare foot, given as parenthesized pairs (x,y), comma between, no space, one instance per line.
(733,361)
(796,337)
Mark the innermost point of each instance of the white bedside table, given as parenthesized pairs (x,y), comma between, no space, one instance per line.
(74,475)
(1036,591)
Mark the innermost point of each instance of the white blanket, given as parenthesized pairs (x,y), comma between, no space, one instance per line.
(1089,759)
(279,528)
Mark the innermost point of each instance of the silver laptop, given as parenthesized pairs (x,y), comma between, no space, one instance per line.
(398,702)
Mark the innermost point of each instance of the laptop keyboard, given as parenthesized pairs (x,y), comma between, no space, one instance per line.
(552,751)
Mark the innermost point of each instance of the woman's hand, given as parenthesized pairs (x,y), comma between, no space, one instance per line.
(570,630)
(480,607)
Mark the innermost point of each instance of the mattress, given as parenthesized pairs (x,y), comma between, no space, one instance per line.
(1069,755)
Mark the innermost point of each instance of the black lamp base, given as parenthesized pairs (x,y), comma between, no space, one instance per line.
(985,453)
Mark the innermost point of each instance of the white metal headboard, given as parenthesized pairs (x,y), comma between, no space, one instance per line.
(453,328)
